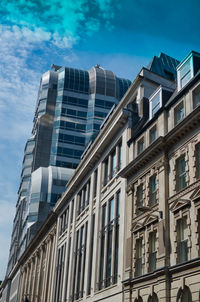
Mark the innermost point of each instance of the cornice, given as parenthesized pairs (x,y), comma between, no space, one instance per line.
(163,143)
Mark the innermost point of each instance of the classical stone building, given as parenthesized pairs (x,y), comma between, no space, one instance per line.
(127,227)
(163,195)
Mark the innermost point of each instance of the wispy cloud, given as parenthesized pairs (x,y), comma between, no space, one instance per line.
(61,22)
(33,34)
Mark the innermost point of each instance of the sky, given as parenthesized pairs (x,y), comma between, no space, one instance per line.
(120,35)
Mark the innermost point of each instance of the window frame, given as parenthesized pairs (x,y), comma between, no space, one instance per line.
(140,145)
(153,191)
(178,116)
(152,251)
(154,128)
(138,256)
(180,177)
(182,242)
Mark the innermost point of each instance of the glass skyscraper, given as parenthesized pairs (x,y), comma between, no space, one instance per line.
(70,108)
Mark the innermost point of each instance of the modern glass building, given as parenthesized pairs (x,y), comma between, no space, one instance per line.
(70,108)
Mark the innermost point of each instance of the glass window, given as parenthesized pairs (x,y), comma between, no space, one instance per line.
(153,134)
(113,168)
(140,145)
(139,202)
(196,97)
(152,251)
(105,181)
(138,263)
(110,243)
(119,156)
(178,113)
(185,74)
(155,104)
(103,224)
(197,164)
(181,173)
(95,182)
(111,210)
(182,240)
(152,190)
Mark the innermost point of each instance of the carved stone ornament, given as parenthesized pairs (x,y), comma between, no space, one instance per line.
(195,195)
(150,219)
(137,226)
(179,204)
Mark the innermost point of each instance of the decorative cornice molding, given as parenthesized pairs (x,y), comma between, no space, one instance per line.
(179,204)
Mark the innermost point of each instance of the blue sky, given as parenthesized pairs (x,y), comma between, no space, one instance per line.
(119,35)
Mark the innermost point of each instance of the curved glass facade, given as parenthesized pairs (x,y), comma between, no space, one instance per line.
(106,90)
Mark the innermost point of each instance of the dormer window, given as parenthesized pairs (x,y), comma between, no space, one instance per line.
(185,73)
(158,99)
(156,103)
(187,69)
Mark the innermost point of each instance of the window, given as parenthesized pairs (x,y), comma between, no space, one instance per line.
(119,156)
(95,183)
(152,251)
(109,242)
(196,97)
(152,134)
(178,113)
(182,240)
(180,173)
(155,104)
(152,190)
(83,198)
(91,257)
(139,299)
(59,273)
(105,180)
(185,74)
(184,295)
(108,269)
(112,164)
(197,163)
(153,298)
(64,220)
(79,263)
(138,262)
(140,145)
(139,196)
(113,168)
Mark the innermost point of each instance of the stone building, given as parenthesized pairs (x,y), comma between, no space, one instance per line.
(127,228)
(163,195)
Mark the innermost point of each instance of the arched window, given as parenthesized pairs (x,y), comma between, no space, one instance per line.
(153,298)
(139,299)
(184,295)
